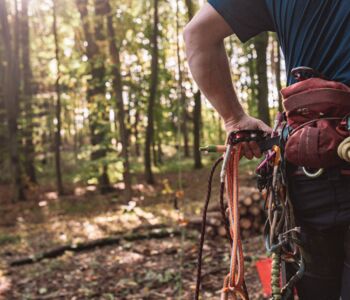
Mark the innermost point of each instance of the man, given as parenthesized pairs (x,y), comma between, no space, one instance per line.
(312,33)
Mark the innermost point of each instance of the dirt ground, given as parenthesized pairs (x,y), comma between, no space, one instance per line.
(142,269)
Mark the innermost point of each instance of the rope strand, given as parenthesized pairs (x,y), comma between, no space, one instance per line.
(204,223)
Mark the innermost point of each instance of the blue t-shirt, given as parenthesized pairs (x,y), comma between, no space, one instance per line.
(312,33)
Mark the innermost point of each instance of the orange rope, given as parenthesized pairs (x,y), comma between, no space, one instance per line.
(234,281)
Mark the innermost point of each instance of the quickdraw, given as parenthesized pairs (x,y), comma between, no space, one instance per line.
(281,235)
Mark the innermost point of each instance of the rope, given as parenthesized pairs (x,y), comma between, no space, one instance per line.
(223,212)
(234,281)
(204,223)
(280,233)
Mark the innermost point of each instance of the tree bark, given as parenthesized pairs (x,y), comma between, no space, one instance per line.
(29,148)
(98,108)
(261,43)
(190,9)
(59,184)
(136,129)
(183,101)
(11,90)
(252,97)
(118,91)
(3,135)
(197,109)
(152,97)
(278,74)
(197,130)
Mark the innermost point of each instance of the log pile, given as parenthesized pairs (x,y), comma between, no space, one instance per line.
(252,214)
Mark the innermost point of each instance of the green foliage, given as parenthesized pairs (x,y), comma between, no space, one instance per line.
(85,116)
(9,239)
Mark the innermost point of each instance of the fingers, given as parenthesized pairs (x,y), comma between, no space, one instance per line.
(251,150)
(255,149)
(247,152)
(264,127)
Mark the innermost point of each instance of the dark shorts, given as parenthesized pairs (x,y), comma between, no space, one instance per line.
(322,210)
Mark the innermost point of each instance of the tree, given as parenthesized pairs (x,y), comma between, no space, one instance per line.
(152,97)
(183,101)
(261,43)
(59,183)
(3,137)
(118,92)
(11,90)
(277,61)
(27,95)
(197,109)
(96,90)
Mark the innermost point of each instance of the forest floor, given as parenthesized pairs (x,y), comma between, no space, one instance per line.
(149,268)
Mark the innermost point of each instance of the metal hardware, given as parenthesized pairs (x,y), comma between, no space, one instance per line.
(316,174)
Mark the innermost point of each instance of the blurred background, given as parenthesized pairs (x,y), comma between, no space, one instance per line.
(102,182)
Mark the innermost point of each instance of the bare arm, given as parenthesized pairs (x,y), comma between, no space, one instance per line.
(208,62)
(209,65)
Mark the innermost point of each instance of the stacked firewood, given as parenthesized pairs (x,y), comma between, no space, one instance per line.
(252,214)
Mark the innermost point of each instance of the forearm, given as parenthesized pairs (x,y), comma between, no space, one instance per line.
(208,62)
(210,69)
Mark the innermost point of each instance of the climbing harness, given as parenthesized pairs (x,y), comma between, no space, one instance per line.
(313,133)
(269,178)
(280,231)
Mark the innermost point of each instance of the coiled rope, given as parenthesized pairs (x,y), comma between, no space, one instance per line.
(234,284)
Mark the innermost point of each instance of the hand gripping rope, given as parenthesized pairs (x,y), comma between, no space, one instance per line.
(234,285)
(281,235)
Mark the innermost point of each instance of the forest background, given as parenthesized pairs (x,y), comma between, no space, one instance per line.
(99,114)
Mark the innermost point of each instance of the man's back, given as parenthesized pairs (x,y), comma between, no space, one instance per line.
(312,33)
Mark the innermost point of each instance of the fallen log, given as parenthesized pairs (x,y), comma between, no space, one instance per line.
(107,241)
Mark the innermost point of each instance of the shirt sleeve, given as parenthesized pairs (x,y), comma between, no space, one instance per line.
(247,18)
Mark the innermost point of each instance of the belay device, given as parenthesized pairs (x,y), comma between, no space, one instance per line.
(280,234)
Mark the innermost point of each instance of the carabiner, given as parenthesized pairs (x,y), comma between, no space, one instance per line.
(316,174)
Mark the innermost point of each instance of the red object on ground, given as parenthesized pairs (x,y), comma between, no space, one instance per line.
(264,271)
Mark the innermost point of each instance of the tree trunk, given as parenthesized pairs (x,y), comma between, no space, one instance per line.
(155,155)
(197,110)
(261,43)
(197,130)
(136,130)
(159,151)
(190,9)
(11,90)
(59,183)
(98,105)
(118,91)
(252,97)
(152,97)
(278,74)
(29,148)
(183,101)
(3,130)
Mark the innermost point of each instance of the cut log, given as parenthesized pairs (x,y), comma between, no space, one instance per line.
(256,196)
(222,231)
(255,210)
(245,223)
(243,210)
(247,201)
